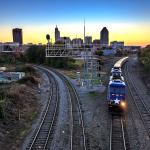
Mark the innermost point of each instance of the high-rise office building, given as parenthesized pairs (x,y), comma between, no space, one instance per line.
(88,40)
(57,34)
(104,37)
(17,35)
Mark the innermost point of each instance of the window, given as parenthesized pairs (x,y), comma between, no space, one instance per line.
(117,90)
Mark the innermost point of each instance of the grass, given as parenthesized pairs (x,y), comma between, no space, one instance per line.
(23,132)
(92,94)
(79,63)
(34,115)
(71,73)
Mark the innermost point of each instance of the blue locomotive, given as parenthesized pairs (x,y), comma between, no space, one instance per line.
(116,94)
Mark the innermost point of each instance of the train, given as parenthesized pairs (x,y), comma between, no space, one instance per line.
(116,94)
(116,74)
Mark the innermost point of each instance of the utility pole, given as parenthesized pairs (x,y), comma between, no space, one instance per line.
(84,56)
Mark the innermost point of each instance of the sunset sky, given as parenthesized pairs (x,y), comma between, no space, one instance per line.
(126,20)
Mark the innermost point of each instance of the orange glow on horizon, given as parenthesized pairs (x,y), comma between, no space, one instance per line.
(129,33)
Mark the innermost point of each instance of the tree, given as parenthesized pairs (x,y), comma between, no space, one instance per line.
(36,54)
(144,57)
(99,53)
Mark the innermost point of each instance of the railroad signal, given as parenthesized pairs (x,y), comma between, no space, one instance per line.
(48,37)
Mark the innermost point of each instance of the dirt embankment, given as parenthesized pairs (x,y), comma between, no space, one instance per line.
(18,108)
(145,76)
(142,73)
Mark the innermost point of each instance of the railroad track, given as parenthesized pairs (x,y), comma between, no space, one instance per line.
(117,134)
(138,101)
(43,134)
(78,138)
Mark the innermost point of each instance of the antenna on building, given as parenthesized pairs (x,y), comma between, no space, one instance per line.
(84,30)
(84,69)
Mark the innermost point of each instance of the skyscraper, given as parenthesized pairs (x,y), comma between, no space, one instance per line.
(104,37)
(17,35)
(57,34)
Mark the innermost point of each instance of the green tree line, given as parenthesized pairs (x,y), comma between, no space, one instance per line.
(36,54)
(144,58)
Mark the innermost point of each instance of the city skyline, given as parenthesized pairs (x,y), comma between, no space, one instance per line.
(126,21)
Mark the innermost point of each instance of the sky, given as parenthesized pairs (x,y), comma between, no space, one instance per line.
(126,20)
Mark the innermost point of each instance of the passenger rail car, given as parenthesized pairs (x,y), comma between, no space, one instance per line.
(116,75)
(117,66)
(120,62)
(116,72)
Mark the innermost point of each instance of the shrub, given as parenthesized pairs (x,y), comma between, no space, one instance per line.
(26,69)
(28,80)
(144,57)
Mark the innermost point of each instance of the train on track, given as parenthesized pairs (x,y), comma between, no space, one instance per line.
(116,95)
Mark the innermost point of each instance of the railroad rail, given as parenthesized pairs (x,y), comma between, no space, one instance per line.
(78,138)
(42,135)
(138,101)
(117,134)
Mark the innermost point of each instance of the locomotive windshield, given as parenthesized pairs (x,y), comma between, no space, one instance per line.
(115,73)
(117,90)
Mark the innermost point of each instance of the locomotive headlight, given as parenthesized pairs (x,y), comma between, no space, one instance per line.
(123,104)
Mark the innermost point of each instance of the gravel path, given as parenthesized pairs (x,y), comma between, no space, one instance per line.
(96,119)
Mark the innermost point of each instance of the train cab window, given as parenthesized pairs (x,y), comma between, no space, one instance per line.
(116,68)
(117,90)
(116,77)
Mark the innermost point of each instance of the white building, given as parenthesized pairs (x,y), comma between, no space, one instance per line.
(132,48)
(8,77)
(117,44)
(9,47)
(107,52)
